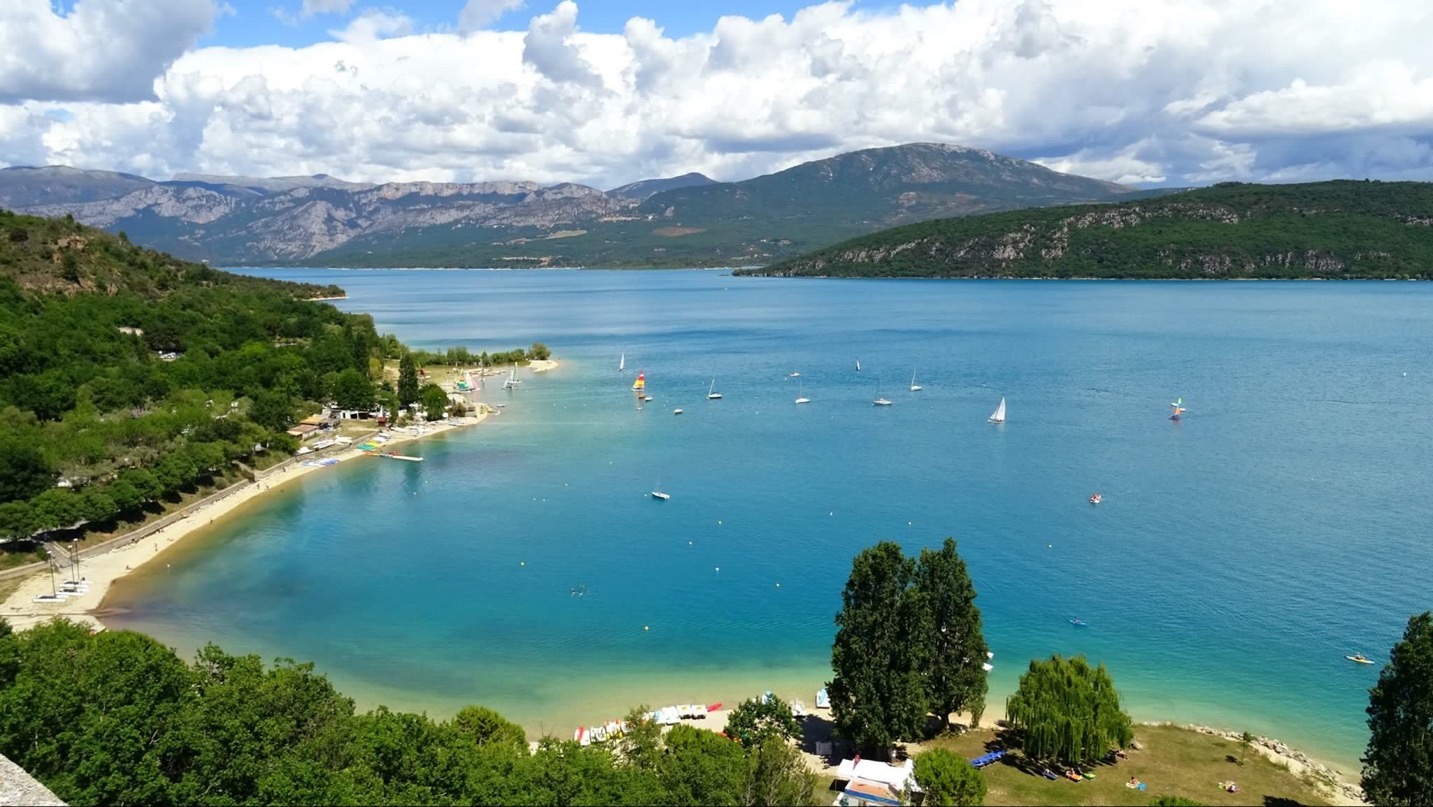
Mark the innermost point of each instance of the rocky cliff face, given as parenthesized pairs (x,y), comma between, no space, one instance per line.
(248,220)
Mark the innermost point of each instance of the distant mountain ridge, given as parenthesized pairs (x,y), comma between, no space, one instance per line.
(688,220)
(1343,229)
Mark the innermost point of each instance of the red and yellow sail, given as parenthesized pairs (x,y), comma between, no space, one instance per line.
(641,382)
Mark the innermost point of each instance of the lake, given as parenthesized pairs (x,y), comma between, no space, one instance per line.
(1238,555)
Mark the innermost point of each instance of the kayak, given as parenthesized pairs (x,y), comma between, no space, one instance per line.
(1358,659)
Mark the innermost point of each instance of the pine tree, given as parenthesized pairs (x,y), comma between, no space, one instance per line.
(955,646)
(1398,764)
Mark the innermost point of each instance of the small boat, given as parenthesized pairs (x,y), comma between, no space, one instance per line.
(823,700)
(622,363)
(914,386)
(715,707)
(658,494)
(599,734)
(1096,498)
(858,365)
(389,455)
(1359,658)
(646,397)
(712,394)
(793,374)
(677,411)
(880,400)
(1079,623)
(801,394)
(987,666)
(1178,409)
(582,736)
(512,380)
(998,416)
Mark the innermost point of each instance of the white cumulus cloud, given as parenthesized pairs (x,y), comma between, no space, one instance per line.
(103,50)
(1140,91)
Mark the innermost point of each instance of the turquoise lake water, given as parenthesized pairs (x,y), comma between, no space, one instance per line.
(1238,556)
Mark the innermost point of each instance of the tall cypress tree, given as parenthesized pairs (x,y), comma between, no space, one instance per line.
(878,691)
(407,381)
(955,649)
(1398,764)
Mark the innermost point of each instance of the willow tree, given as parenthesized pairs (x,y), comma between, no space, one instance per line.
(1398,764)
(955,676)
(1068,712)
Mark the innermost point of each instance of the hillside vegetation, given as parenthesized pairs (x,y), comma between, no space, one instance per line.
(1327,230)
(129,378)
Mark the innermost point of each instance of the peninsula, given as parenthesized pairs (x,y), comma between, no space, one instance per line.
(1232,231)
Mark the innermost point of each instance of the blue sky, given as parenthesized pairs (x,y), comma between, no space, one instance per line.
(255,22)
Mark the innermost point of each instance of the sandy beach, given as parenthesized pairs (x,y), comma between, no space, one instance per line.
(100,571)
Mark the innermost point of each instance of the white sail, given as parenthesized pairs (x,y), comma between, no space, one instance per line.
(914,386)
(999,415)
(858,365)
(622,364)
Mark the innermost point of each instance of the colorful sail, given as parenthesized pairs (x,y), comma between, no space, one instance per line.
(1178,409)
(641,382)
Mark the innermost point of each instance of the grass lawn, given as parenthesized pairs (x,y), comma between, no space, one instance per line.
(1171,761)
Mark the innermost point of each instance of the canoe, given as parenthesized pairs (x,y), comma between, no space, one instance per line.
(1357,660)
(715,707)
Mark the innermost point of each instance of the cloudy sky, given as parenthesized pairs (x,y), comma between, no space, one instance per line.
(1163,92)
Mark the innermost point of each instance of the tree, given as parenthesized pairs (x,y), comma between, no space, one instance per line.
(701,767)
(756,719)
(948,779)
(1398,763)
(1068,712)
(539,351)
(407,380)
(777,776)
(955,654)
(435,402)
(878,692)
(353,390)
(23,470)
(483,725)
(1246,742)
(272,410)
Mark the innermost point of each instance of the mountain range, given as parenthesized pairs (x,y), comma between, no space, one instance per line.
(689,220)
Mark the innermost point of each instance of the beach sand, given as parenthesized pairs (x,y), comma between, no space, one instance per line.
(100,571)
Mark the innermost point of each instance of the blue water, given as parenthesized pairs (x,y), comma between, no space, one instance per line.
(1238,556)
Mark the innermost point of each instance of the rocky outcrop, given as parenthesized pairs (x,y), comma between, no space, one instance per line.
(18,787)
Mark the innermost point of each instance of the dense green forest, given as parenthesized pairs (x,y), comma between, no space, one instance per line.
(1326,230)
(128,376)
(117,718)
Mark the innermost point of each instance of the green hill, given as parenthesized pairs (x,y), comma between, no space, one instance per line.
(1343,229)
(128,377)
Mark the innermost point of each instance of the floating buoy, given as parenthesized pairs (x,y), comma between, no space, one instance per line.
(1051,546)
(718,522)
(718,568)
(778,585)
(646,627)
(522,563)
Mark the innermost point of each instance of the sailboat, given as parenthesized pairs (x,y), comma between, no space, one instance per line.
(622,363)
(998,416)
(801,394)
(712,394)
(880,401)
(513,380)
(914,386)
(858,365)
(1178,409)
(640,385)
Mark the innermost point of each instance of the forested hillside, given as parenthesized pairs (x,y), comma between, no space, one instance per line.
(127,376)
(1325,230)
